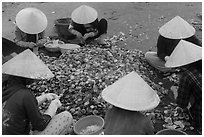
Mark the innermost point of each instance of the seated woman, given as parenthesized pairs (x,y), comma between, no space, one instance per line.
(30,26)
(190,83)
(20,111)
(129,96)
(170,35)
(85,25)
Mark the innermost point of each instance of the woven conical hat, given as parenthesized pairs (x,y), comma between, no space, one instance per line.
(31,20)
(84,15)
(177,28)
(184,53)
(28,65)
(131,92)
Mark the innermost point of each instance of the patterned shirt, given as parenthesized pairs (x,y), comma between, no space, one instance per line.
(191,86)
(20,37)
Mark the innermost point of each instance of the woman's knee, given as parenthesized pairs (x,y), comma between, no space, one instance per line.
(149,55)
(67,115)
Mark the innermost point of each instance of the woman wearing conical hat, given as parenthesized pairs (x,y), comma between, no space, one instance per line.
(170,35)
(129,96)
(85,24)
(188,57)
(20,109)
(30,26)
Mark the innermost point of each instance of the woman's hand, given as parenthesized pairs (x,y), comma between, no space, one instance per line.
(47,96)
(51,96)
(52,109)
(88,35)
(166,58)
(79,35)
(174,89)
(75,32)
(31,45)
(56,103)
(41,42)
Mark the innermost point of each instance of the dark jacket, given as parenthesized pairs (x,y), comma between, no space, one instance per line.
(9,47)
(20,109)
(124,122)
(80,27)
(166,46)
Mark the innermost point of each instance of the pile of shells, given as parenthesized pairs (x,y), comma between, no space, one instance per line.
(82,74)
(173,117)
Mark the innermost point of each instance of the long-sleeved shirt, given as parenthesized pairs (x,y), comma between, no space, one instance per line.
(191,85)
(73,27)
(21,38)
(20,111)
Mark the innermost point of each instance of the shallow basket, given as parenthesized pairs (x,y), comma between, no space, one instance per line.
(64,47)
(53,49)
(83,123)
(170,132)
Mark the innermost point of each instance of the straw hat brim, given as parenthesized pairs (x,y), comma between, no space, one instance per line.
(177,28)
(31,21)
(84,15)
(183,54)
(131,93)
(28,65)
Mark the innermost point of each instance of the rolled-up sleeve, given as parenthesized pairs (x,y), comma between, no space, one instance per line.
(39,121)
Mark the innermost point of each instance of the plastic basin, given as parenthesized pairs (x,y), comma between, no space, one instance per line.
(170,132)
(85,123)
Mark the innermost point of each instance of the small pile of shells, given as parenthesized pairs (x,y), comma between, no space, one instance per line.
(173,117)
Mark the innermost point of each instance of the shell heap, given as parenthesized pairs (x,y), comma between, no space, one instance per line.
(81,75)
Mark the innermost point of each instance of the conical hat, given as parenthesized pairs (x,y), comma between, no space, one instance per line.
(184,53)
(31,20)
(131,92)
(84,15)
(177,28)
(27,64)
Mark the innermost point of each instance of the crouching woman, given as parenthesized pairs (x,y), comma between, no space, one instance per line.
(129,96)
(20,109)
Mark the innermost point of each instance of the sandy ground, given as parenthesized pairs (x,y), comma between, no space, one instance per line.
(139,21)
